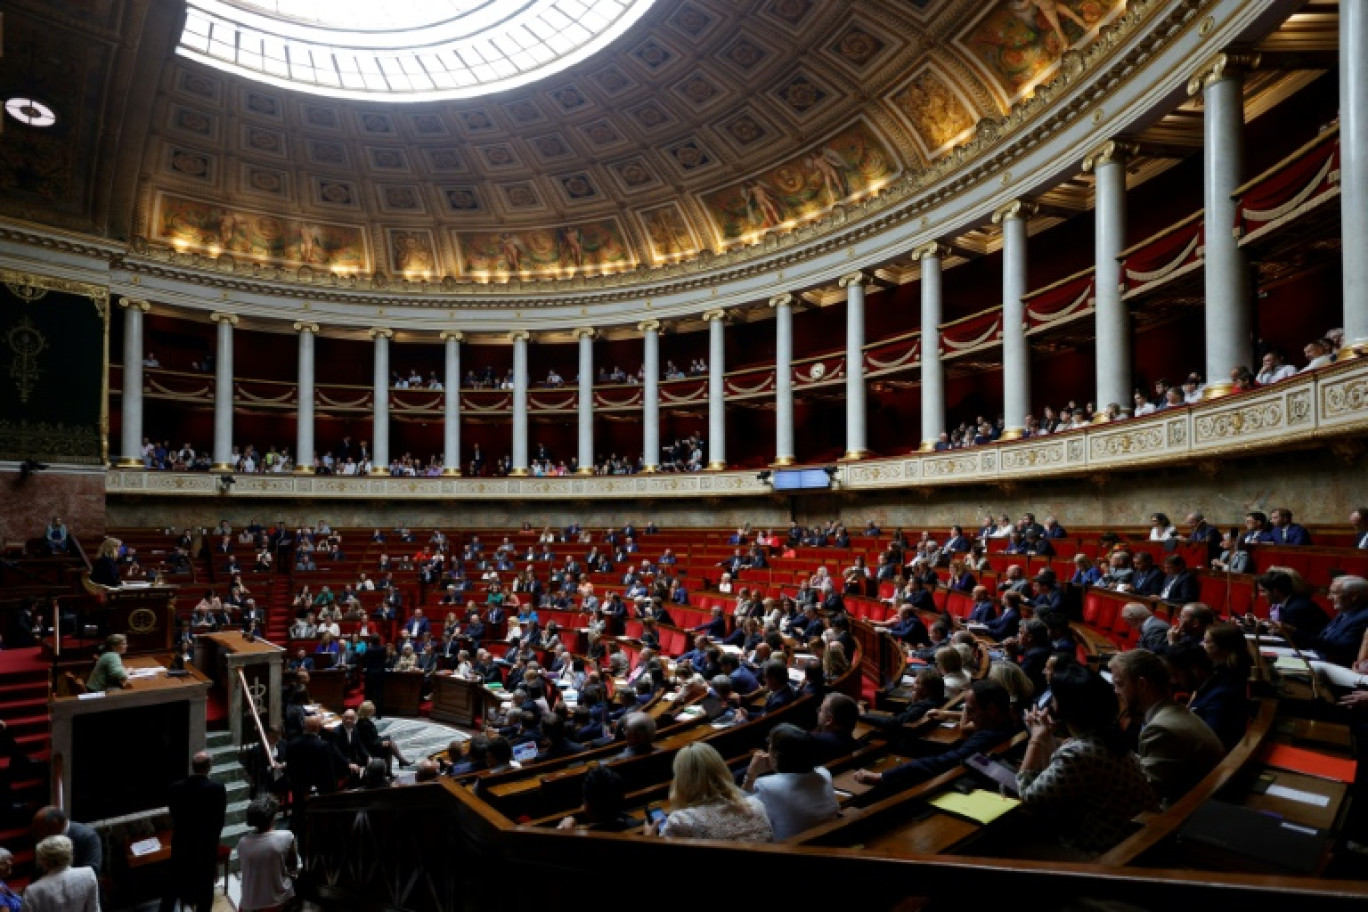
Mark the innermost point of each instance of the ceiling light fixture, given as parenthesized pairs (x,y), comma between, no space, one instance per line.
(31,112)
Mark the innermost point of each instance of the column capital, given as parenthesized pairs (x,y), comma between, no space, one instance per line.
(934,250)
(1225,65)
(584,332)
(852,278)
(716,313)
(135,303)
(519,335)
(1113,151)
(783,299)
(220,317)
(456,334)
(306,328)
(1016,209)
(376,332)
(647,326)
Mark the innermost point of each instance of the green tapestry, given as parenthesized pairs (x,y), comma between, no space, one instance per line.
(52,369)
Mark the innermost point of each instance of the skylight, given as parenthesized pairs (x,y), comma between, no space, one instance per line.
(401,49)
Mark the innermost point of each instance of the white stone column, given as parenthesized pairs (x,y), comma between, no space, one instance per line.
(1229,306)
(585,335)
(380,383)
(304,423)
(717,390)
(1108,162)
(784,452)
(1353,81)
(451,389)
(1016,351)
(856,418)
(223,391)
(131,405)
(650,395)
(932,370)
(520,338)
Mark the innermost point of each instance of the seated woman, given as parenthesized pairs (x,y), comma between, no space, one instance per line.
(326,644)
(408,659)
(950,664)
(109,673)
(376,746)
(961,579)
(1091,785)
(705,802)
(104,570)
(1085,574)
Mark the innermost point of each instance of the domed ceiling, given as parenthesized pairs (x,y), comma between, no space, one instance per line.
(706,126)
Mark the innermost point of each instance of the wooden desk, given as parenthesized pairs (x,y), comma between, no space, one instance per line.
(459,700)
(403,692)
(329,688)
(89,776)
(222,654)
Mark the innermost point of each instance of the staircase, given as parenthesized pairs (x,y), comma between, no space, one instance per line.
(23,707)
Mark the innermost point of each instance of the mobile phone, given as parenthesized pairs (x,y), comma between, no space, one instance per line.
(655,815)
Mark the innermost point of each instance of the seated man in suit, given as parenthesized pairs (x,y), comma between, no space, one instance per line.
(349,744)
(1285,531)
(1301,619)
(1153,631)
(1006,624)
(1193,620)
(1047,595)
(1180,585)
(716,627)
(907,627)
(1177,749)
(743,680)
(1340,640)
(835,731)
(417,625)
(1147,578)
(988,708)
(780,692)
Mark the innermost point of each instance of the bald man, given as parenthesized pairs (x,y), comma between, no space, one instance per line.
(197,805)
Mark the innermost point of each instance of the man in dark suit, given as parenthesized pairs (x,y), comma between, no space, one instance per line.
(1285,531)
(1147,578)
(1179,586)
(88,849)
(417,625)
(835,731)
(956,543)
(313,763)
(348,741)
(780,692)
(198,805)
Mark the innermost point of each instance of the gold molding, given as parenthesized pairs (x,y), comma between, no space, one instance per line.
(140,304)
(451,473)
(647,326)
(784,462)
(930,250)
(1113,151)
(517,473)
(1018,208)
(1226,65)
(717,467)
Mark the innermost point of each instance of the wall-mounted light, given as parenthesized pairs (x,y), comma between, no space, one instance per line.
(31,112)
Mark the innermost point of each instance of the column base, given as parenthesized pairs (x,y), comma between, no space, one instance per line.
(222,467)
(650,469)
(377,472)
(1100,418)
(129,464)
(855,455)
(584,470)
(784,461)
(304,470)
(928,446)
(1352,350)
(1012,434)
(1217,389)
(517,473)
(717,467)
(451,473)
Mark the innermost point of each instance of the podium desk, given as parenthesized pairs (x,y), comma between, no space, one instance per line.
(114,753)
(222,654)
(459,700)
(403,692)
